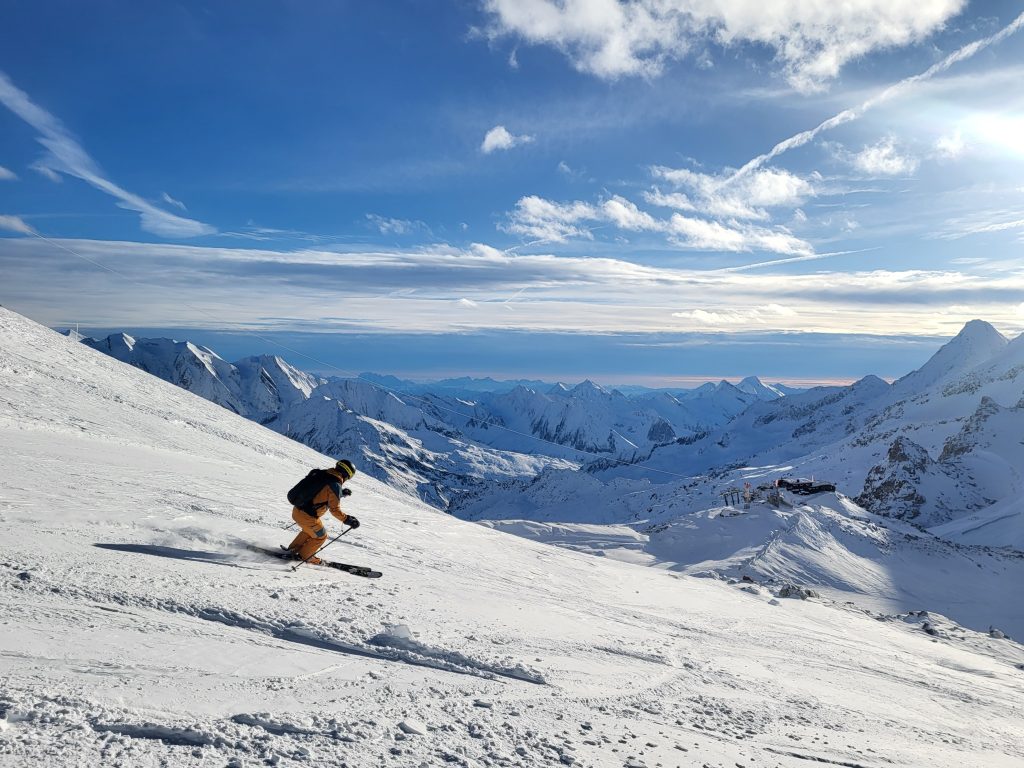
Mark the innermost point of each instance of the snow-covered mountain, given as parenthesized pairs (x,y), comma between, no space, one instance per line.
(943,454)
(139,631)
(400,445)
(258,388)
(438,444)
(753,386)
(595,422)
(395,441)
(977,343)
(895,486)
(938,439)
(463,386)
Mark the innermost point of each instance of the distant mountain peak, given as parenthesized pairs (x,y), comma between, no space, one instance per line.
(752,385)
(979,329)
(976,342)
(587,388)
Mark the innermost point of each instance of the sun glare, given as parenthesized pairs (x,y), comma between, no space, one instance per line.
(999,131)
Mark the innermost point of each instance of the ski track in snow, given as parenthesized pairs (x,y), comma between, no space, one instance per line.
(135,631)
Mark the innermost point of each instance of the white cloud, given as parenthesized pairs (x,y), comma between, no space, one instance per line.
(882,159)
(700,234)
(65,155)
(7,175)
(723,204)
(389,226)
(707,235)
(499,138)
(549,221)
(771,188)
(15,224)
(778,309)
(744,197)
(951,147)
(676,200)
(706,317)
(253,232)
(625,215)
(812,40)
(984,223)
(753,316)
(47,173)
(563,167)
(421,289)
(171,201)
(899,88)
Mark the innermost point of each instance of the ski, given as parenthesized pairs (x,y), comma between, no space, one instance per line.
(355,570)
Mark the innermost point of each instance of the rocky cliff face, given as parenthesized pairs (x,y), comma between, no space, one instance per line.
(910,485)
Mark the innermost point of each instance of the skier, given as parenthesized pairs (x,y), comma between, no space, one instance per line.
(325,494)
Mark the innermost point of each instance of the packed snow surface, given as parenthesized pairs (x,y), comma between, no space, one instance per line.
(825,542)
(138,631)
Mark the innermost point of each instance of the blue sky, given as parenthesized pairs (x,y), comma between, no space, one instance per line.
(633,191)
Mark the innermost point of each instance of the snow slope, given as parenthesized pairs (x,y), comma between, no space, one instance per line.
(137,631)
(824,542)
(1001,525)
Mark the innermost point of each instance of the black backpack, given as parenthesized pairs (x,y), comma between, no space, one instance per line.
(307,488)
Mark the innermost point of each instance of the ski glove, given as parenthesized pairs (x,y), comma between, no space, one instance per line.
(346,492)
(351,522)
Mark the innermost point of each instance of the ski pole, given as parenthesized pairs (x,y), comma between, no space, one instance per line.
(325,546)
(290,525)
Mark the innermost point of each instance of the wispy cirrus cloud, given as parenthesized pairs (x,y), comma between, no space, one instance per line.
(744,209)
(172,201)
(65,155)
(251,231)
(6,174)
(391,226)
(891,92)
(15,224)
(429,289)
(982,223)
(812,41)
(46,172)
(499,138)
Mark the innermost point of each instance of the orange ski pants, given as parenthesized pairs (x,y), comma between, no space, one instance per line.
(311,537)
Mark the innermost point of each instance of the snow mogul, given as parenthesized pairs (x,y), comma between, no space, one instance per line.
(317,492)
